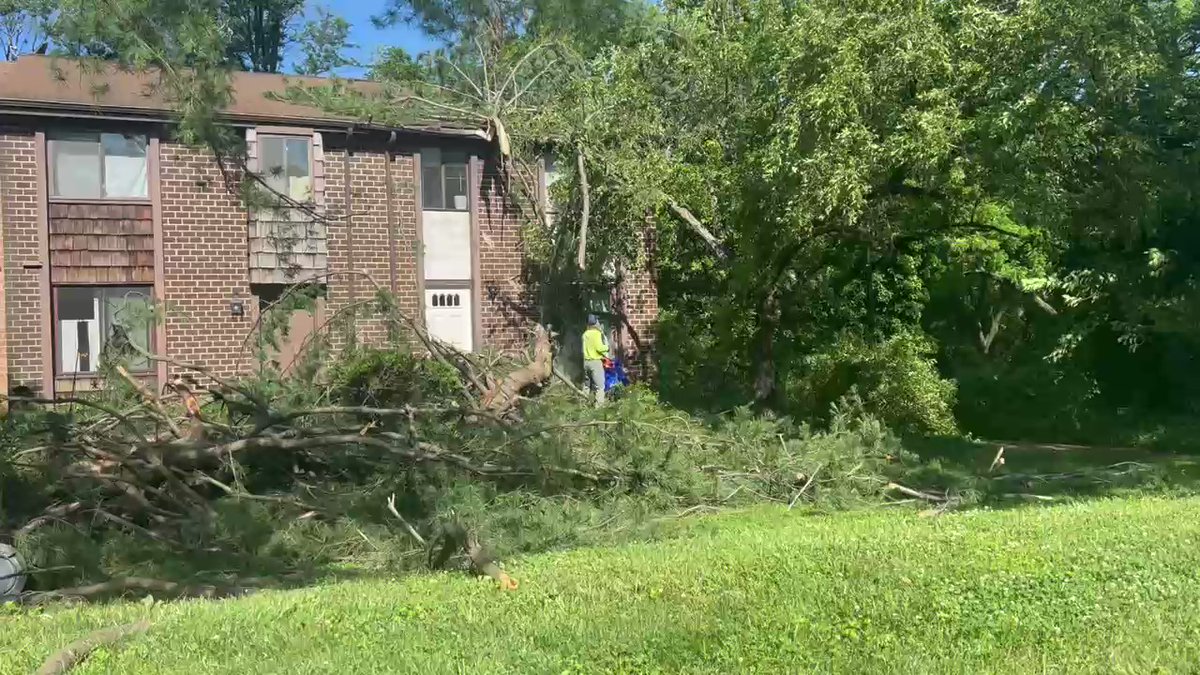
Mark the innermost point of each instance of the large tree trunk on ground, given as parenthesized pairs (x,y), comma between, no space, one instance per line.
(505,393)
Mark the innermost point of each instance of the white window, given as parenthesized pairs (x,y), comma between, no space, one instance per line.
(443,180)
(97,322)
(93,165)
(286,165)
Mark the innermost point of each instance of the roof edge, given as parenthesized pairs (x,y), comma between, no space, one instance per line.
(157,115)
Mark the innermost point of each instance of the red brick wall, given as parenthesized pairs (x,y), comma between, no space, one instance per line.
(205,249)
(205,262)
(507,308)
(22,289)
(368,230)
(636,300)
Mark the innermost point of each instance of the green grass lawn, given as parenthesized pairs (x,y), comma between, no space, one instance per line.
(1106,586)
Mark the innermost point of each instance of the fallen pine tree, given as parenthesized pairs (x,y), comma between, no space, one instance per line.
(141,492)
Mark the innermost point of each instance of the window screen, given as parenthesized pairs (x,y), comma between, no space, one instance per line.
(76,167)
(432,194)
(124,165)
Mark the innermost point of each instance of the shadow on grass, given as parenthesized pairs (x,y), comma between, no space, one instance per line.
(1027,472)
(241,546)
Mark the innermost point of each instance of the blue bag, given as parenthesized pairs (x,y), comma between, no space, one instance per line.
(615,376)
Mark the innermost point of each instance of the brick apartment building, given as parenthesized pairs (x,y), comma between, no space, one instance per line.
(103,215)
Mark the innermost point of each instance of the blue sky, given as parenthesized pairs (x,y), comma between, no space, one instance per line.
(369,38)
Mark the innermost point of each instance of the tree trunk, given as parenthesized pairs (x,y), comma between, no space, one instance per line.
(504,394)
(586,196)
(986,339)
(768,322)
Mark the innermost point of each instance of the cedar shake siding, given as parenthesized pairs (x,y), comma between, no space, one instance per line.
(101,244)
(148,220)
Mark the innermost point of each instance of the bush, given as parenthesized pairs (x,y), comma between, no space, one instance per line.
(896,380)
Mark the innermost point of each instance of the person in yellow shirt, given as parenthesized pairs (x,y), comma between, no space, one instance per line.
(595,350)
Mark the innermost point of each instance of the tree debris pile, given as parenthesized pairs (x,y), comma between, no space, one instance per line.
(393,461)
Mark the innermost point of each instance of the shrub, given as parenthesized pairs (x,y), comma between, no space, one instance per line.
(896,381)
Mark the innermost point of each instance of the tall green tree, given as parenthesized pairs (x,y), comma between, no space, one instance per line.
(395,64)
(589,25)
(260,31)
(1015,179)
(323,43)
(24,26)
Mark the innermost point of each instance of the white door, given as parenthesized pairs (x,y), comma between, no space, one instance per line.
(448,316)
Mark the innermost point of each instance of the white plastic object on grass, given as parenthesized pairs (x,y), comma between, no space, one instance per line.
(12,577)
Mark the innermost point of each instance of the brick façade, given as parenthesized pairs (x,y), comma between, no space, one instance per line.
(22,257)
(204,232)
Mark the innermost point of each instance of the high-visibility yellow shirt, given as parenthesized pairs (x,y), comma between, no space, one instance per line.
(594,348)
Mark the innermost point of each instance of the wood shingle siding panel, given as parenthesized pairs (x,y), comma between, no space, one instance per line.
(98,243)
(288,245)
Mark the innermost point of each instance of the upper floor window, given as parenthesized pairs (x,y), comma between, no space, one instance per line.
(443,180)
(94,165)
(286,165)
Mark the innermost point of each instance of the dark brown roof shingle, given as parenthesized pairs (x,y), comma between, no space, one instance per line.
(59,84)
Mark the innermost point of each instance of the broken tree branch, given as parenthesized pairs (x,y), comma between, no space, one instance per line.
(502,396)
(56,512)
(125,585)
(585,210)
(483,563)
(805,486)
(412,531)
(915,493)
(713,243)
